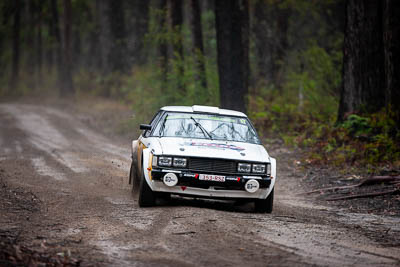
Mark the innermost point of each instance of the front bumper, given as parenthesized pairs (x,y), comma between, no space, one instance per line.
(189,184)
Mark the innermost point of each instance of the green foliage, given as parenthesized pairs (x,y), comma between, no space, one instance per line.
(145,87)
(315,76)
(298,106)
(368,140)
(357,125)
(148,91)
(305,102)
(360,141)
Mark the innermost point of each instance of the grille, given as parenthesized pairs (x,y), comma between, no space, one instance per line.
(212,165)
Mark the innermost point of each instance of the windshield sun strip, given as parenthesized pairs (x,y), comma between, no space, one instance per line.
(222,118)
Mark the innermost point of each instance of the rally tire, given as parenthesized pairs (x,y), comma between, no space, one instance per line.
(265,205)
(134,179)
(147,197)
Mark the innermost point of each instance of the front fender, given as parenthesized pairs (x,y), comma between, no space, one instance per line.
(273,176)
(147,158)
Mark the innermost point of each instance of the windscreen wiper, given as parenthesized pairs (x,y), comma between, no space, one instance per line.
(202,128)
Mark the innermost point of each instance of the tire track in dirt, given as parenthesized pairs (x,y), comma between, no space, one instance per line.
(81,178)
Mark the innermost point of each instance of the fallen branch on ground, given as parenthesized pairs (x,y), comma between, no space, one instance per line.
(368,181)
(389,192)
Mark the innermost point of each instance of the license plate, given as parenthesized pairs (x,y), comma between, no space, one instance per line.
(209,177)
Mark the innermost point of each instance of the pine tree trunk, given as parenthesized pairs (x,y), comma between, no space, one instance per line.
(103,35)
(140,14)
(229,16)
(283,15)
(176,22)
(67,84)
(176,13)
(39,45)
(160,17)
(198,43)
(261,28)
(30,39)
(245,22)
(16,45)
(363,59)
(162,47)
(391,42)
(117,55)
(49,47)
(270,27)
(58,46)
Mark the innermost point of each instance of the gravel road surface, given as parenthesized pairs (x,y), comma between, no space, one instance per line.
(81,200)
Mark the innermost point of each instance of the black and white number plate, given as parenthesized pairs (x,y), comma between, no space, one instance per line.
(210,177)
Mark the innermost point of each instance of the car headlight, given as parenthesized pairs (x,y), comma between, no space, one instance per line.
(154,161)
(179,162)
(258,168)
(269,169)
(165,161)
(244,167)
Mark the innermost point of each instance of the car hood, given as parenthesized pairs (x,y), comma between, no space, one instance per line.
(213,149)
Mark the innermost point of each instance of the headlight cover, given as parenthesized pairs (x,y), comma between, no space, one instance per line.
(154,161)
(244,167)
(165,161)
(179,162)
(258,168)
(269,168)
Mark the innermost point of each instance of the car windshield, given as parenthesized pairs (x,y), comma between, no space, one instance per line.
(206,126)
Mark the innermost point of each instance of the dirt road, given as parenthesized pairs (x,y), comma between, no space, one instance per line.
(80,200)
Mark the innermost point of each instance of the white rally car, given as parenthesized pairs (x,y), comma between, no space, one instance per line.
(202,151)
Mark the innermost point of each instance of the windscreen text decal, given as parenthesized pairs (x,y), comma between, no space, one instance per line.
(214,145)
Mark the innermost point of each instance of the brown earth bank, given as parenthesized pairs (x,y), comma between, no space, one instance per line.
(65,200)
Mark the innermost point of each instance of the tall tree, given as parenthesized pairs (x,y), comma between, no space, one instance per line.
(232,76)
(391,43)
(58,45)
(363,59)
(67,87)
(197,32)
(138,28)
(117,55)
(176,13)
(39,43)
(30,39)
(281,46)
(245,22)
(49,46)
(260,28)
(270,28)
(16,44)
(162,46)
(102,37)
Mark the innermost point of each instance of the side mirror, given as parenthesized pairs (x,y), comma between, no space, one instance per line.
(145,127)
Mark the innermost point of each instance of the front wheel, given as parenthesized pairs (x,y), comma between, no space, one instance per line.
(265,205)
(134,179)
(147,197)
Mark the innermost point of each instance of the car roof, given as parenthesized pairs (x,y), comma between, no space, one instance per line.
(204,109)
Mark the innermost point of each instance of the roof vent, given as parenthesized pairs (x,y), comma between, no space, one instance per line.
(205,109)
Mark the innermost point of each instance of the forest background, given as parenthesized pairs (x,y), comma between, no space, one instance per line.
(318,75)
